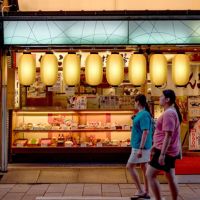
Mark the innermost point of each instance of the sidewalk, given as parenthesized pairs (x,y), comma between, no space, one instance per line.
(92,191)
(81,182)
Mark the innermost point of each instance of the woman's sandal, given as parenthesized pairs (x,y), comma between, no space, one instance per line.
(142,196)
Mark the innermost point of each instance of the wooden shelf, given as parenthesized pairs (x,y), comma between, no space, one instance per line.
(76,130)
(64,110)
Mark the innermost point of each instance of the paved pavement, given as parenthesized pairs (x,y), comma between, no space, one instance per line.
(86,191)
(29,182)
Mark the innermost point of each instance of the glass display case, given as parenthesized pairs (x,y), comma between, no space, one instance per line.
(77,131)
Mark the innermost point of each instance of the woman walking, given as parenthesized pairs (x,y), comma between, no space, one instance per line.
(141,142)
(166,145)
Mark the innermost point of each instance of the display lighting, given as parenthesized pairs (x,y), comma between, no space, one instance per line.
(137,69)
(71,69)
(49,69)
(180,70)
(115,69)
(158,69)
(94,70)
(26,69)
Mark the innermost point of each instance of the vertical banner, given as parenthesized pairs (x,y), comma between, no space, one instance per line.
(194,122)
(194,137)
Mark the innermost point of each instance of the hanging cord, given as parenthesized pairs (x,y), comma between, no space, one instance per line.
(7,6)
(2,9)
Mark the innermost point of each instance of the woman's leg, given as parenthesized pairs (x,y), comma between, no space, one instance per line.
(144,169)
(153,182)
(172,183)
(135,177)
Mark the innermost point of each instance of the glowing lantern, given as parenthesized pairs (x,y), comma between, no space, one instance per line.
(115,69)
(180,69)
(27,69)
(49,69)
(94,69)
(158,69)
(137,69)
(71,69)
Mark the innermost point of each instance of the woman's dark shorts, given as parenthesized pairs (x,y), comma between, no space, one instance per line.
(169,161)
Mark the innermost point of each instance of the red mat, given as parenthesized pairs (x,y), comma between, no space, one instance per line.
(188,165)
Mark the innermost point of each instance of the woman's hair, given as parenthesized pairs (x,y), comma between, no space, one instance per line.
(143,102)
(172,101)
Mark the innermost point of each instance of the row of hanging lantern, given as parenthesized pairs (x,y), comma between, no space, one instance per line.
(137,69)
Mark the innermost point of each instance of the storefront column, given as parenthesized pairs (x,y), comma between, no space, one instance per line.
(4,115)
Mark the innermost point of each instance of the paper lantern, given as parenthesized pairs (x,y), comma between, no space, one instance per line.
(137,69)
(71,69)
(158,69)
(49,69)
(180,69)
(94,69)
(115,69)
(26,69)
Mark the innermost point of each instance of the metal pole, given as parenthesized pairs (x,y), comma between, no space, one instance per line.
(4,128)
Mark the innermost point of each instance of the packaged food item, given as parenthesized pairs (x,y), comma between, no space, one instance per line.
(20,142)
(118,127)
(84,144)
(61,139)
(123,143)
(99,143)
(45,142)
(29,126)
(114,142)
(54,141)
(33,142)
(106,142)
(68,143)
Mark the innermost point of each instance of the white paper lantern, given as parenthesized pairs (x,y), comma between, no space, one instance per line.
(180,69)
(71,69)
(137,69)
(158,69)
(115,69)
(49,69)
(27,69)
(94,69)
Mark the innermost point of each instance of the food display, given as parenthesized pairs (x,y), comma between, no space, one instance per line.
(20,142)
(68,143)
(73,126)
(60,140)
(70,130)
(33,126)
(33,141)
(45,142)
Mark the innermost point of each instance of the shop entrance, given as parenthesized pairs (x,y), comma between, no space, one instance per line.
(87,120)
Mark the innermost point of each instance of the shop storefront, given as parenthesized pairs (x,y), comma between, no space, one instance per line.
(57,117)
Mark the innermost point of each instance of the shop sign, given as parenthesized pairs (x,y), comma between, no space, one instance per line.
(194,137)
(194,106)
(101,32)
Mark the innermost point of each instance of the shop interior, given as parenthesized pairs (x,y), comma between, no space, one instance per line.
(88,121)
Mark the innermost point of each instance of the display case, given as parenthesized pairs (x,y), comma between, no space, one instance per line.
(58,131)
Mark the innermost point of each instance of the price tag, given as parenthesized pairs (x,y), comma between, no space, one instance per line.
(126,127)
(44,145)
(68,145)
(83,145)
(124,144)
(19,145)
(99,144)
